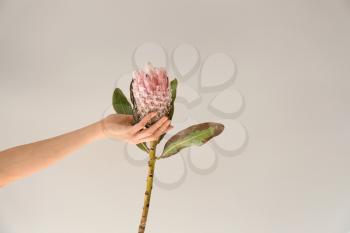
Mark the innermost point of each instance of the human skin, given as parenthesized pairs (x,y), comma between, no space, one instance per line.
(24,160)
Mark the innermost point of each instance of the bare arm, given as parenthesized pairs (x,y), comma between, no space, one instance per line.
(24,160)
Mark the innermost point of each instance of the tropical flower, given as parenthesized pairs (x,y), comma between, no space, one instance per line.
(150,92)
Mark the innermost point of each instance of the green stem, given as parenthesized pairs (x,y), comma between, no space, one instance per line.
(149,185)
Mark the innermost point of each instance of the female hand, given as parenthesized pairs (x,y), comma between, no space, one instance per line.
(119,126)
(23,160)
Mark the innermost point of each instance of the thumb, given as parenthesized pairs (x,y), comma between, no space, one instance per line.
(128,118)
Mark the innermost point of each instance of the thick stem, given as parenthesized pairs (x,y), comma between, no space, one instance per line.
(151,164)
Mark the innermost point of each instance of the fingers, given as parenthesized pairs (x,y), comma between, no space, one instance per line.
(154,138)
(165,127)
(143,122)
(149,132)
(161,130)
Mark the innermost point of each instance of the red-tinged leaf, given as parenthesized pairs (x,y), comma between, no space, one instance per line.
(193,135)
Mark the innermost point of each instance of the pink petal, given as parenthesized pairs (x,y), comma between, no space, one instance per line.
(148,84)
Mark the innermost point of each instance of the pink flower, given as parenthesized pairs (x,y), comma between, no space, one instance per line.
(150,92)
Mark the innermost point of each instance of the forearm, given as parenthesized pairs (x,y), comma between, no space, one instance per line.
(24,160)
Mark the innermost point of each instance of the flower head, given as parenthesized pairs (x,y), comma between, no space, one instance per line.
(150,92)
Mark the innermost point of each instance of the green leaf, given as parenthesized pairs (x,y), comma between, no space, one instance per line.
(173,86)
(120,103)
(122,106)
(136,118)
(143,146)
(193,135)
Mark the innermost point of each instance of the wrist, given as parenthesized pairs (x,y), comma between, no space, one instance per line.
(101,127)
(98,131)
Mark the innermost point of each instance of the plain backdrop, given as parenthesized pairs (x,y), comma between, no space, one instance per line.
(59,61)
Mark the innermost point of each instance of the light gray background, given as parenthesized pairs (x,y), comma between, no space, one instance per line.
(59,61)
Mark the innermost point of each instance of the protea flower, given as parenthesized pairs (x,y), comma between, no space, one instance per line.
(150,92)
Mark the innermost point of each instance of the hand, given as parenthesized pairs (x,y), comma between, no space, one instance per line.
(119,126)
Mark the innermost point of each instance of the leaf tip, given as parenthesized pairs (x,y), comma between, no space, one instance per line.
(220,127)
